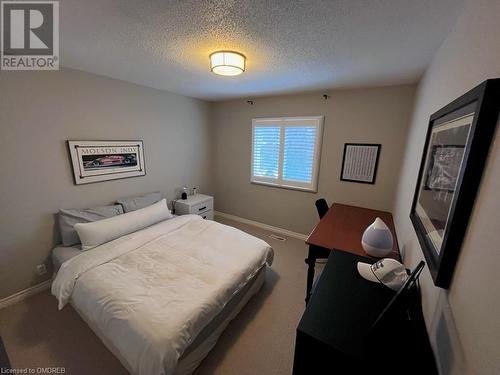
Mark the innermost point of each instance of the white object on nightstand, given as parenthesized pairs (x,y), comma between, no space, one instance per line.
(199,204)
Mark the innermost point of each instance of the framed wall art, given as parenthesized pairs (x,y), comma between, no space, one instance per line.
(96,161)
(455,152)
(360,162)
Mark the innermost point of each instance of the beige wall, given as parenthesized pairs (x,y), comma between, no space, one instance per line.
(40,111)
(464,321)
(378,115)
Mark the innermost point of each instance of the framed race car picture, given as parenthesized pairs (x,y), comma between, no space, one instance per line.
(96,161)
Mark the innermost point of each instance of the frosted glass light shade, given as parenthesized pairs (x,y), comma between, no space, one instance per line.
(227,63)
(377,239)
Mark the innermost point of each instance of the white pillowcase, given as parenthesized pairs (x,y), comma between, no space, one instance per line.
(98,232)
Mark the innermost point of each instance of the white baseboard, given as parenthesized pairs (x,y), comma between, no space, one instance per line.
(23,294)
(284,232)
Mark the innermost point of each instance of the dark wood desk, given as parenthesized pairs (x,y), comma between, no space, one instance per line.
(333,330)
(342,228)
(335,333)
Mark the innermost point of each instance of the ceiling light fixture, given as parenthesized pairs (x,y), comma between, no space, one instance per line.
(227,63)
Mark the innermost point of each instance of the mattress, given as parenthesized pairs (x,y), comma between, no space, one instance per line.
(208,337)
(157,297)
(206,340)
(61,254)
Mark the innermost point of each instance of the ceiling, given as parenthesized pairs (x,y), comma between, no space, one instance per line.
(290,45)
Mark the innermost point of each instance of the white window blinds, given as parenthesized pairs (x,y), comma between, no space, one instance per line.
(266,146)
(285,151)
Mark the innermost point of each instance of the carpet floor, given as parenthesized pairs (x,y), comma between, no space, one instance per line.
(260,340)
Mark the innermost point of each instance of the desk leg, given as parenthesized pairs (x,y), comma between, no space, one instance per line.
(311,261)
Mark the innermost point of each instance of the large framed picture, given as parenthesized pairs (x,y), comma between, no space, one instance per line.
(455,152)
(96,161)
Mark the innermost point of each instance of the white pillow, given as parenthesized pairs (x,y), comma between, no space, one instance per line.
(98,232)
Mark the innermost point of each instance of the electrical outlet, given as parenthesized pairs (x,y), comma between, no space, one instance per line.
(41,269)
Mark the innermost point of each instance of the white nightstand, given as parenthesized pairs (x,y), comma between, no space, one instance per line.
(198,204)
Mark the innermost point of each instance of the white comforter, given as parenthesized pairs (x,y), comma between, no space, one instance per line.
(150,293)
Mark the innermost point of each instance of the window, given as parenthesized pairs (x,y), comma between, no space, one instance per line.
(286,151)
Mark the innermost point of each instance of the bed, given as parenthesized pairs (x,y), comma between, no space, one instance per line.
(160,297)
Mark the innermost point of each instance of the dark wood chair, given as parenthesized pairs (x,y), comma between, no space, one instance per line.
(322,207)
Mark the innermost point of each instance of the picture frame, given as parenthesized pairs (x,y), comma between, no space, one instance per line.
(360,162)
(455,152)
(97,161)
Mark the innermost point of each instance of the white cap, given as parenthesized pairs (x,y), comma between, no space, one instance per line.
(387,271)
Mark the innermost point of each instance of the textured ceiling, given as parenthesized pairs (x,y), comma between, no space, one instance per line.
(290,45)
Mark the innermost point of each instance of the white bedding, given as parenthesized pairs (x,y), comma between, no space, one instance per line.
(150,293)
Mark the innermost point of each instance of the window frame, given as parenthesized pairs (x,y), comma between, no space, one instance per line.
(283,123)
